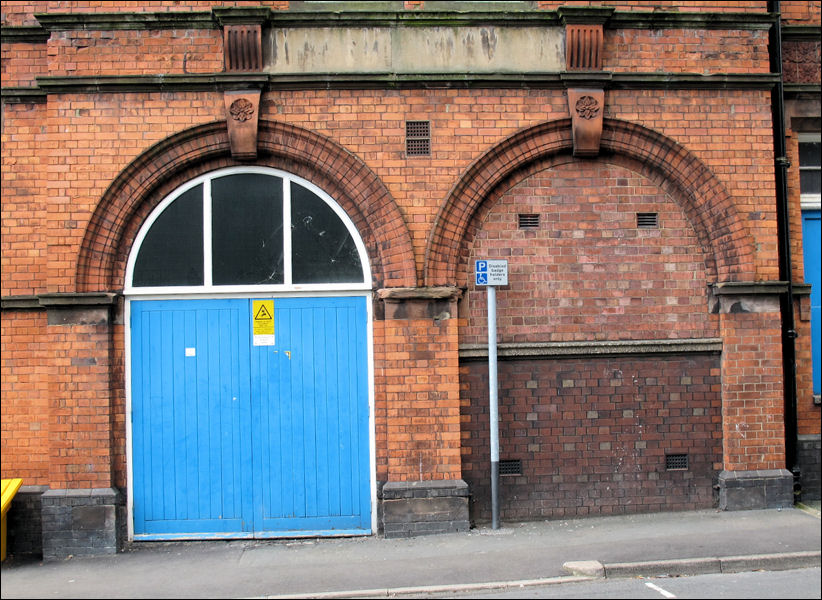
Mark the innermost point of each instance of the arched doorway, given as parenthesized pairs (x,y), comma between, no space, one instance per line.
(248,363)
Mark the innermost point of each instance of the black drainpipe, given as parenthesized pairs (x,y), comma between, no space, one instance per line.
(784,240)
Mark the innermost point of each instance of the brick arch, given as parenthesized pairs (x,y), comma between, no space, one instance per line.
(157,172)
(708,206)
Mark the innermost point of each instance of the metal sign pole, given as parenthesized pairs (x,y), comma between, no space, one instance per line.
(492,273)
(494,405)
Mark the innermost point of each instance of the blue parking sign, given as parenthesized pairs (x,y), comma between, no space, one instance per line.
(491,272)
(481,270)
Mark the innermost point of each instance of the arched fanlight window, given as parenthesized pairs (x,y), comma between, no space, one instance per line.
(224,232)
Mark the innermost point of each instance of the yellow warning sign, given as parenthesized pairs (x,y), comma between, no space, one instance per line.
(262,321)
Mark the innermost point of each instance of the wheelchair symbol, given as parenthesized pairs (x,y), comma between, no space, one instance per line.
(482,278)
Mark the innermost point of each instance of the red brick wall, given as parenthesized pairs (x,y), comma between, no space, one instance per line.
(685,51)
(93,53)
(588,272)
(24,238)
(800,12)
(753,401)
(61,157)
(21,64)
(416,382)
(80,413)
(94,138)
(26,366)
(592,435)
(57,415)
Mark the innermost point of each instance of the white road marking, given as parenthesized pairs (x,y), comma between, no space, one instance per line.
(665,593)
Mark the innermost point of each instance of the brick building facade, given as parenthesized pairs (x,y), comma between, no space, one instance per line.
(655,347)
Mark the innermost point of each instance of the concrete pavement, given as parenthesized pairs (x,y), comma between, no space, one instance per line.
(516,554)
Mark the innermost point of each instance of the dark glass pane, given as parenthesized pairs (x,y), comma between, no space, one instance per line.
(810,182)
(172,251)
(247,230)
(322,250)
(810,154)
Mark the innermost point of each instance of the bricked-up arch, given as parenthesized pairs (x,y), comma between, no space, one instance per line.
(167,165)
(727,245)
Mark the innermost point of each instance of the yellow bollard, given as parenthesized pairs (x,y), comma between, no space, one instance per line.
(10,487)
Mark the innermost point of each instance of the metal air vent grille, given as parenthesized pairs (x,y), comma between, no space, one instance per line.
(676,462)
(647,220)
(528,221)
(510,467)
(417,138)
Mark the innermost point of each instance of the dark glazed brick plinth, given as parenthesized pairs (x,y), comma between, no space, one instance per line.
(415,508)
(81,522)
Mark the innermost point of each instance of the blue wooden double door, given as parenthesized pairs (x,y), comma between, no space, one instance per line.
(231,439)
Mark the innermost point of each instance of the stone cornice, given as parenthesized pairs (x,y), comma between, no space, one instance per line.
(23,95)
(152,83)
(218,17)
(33,34)
(236,81)
(119,21)
(801,33)
(690,20)
(588,15)
(798,89)
(551,350)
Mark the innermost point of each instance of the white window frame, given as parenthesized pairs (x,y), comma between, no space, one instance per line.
(208,286)
(810,201)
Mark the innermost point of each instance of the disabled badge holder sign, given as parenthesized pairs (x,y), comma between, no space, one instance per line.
(491,272)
